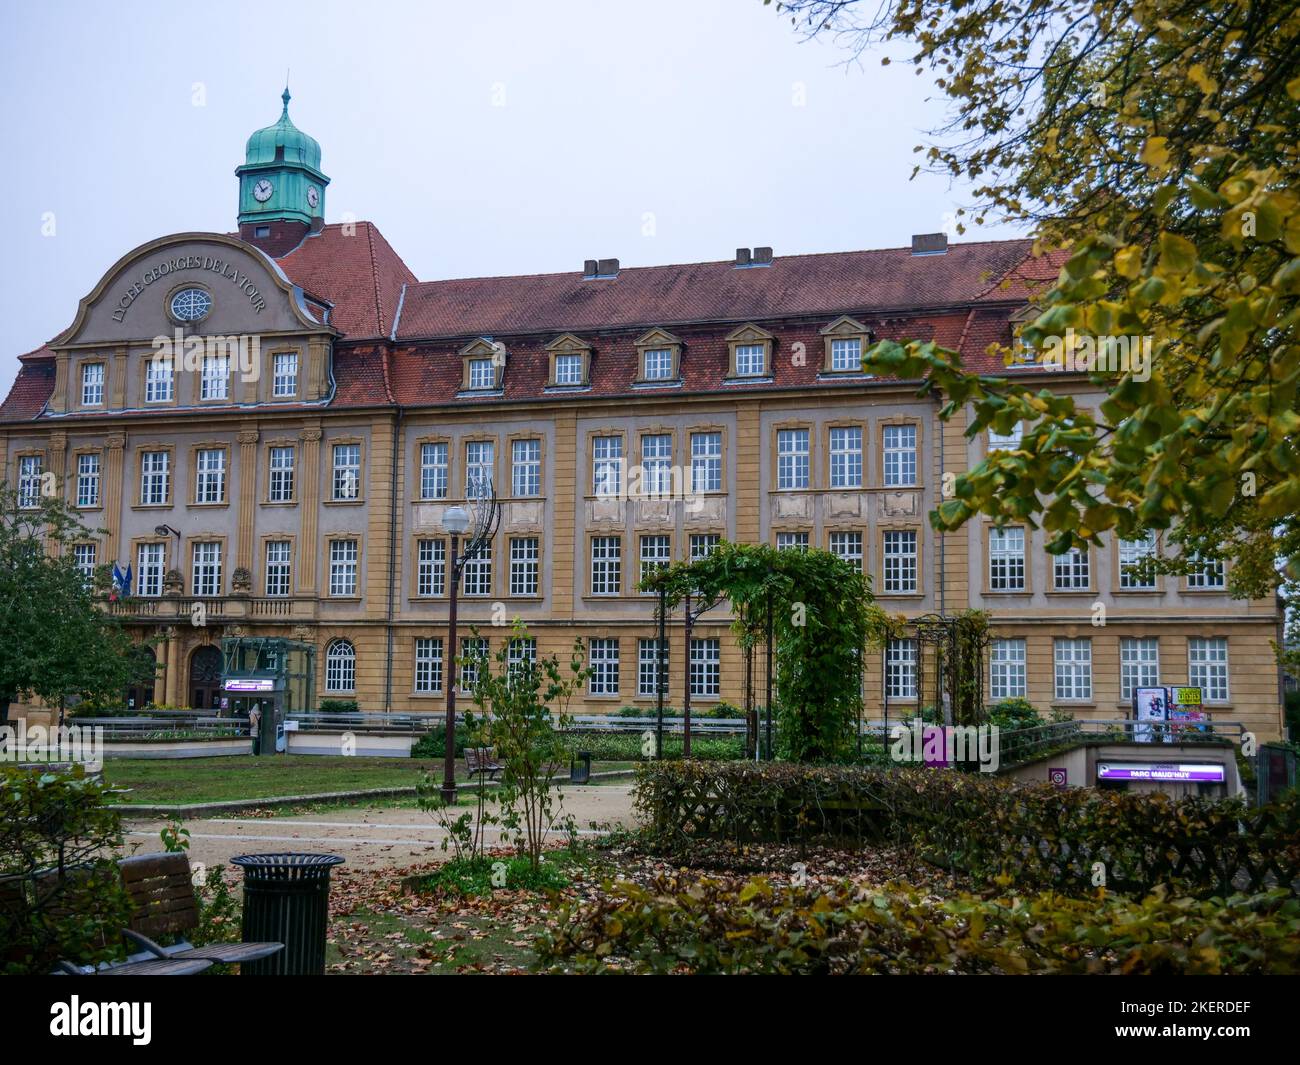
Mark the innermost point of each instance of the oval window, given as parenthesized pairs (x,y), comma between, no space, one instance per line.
(191,304)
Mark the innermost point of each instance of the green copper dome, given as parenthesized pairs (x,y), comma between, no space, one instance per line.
(283,142)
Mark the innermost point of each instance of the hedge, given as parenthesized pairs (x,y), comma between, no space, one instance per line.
(1041,837)
(711,926)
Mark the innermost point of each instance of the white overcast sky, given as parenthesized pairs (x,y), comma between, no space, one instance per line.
(482,138)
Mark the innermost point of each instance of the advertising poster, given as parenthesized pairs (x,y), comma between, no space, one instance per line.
(1150,705)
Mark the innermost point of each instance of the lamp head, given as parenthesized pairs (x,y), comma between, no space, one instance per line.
(455,520)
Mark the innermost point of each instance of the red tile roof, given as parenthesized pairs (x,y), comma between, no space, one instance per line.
(357,270)
(961,298)
(834,283)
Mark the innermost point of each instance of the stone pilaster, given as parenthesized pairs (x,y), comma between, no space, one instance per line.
(309,508)
(247,533)
(113,487)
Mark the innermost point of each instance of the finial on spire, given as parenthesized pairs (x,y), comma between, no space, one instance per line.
(285,95)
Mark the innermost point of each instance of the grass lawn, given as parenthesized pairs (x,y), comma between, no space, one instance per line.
(193,780)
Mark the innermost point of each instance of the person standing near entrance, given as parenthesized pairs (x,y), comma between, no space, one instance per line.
(255,727)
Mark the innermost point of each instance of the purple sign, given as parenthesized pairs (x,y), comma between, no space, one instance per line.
(253,685)
(1197,774)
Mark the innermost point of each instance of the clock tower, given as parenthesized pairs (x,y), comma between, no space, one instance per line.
(281,187)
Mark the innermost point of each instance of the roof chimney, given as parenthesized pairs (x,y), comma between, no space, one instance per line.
(762,256)
(929,243)
(589,268)
(742,256)
(607,268)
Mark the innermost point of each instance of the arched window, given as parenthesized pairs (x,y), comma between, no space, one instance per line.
(340,667)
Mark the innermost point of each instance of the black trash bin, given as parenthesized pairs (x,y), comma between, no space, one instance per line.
(286,900)
(580,768)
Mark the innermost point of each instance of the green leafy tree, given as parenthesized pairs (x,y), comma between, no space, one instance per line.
(525,703)
(1152,145)
(59,644)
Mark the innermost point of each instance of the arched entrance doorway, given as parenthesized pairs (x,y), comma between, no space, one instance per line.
(205,678)
(141,692)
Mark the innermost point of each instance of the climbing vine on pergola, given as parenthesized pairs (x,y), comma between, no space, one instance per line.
(814,610)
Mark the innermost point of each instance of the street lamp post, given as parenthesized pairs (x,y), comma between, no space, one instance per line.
(456,522)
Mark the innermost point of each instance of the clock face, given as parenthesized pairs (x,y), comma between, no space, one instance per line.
(262,191)
(313,195)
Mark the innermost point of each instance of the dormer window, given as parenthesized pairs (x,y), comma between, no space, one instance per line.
(846,340)
(484,365)
(570,359)
(568,369)
(751,350)
(658,355)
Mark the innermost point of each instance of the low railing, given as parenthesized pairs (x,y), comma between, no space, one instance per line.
(165,725)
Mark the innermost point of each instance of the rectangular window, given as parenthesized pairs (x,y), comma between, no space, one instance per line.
(1009,441)
(657,364)
(159,380)
(1139,664)
(477,574)
(606,565)
(656,465)
(155,477)
(428,664)
(524,565)
(521,654)
(480,474)
(430,567)
(1207,574)
(656,554)
(847,546)
(284,374)
(343,567)
(647,668)
(215,380)
(433,471)
(900,669)
(347,471)
(792,541)
(900,456)
(1207,667)
(149,570)
(206,568)
(702,545)
(482,374)
(1070,571)
(1073,660)
(281,469)
(568,369)
(1007,677)
(846,354)
(1134,571)
(607,466)
(706,462)
(87,480)
(706,668)
(526,468)
(792,458)
(749,360)
(846,457)
(278,567)
(29,480)
(92,384)
(84,558)
(604,667)
(900,562)
(473,651)
(1007,560)
(210,475)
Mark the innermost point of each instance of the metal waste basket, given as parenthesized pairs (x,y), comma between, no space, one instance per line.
(580,768)
(286,900)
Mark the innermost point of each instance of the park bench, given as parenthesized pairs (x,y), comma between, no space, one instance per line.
(163,903)
(480,761)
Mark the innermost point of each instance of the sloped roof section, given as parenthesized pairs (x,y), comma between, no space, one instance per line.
(892,279)
(31,388)
(357,270)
